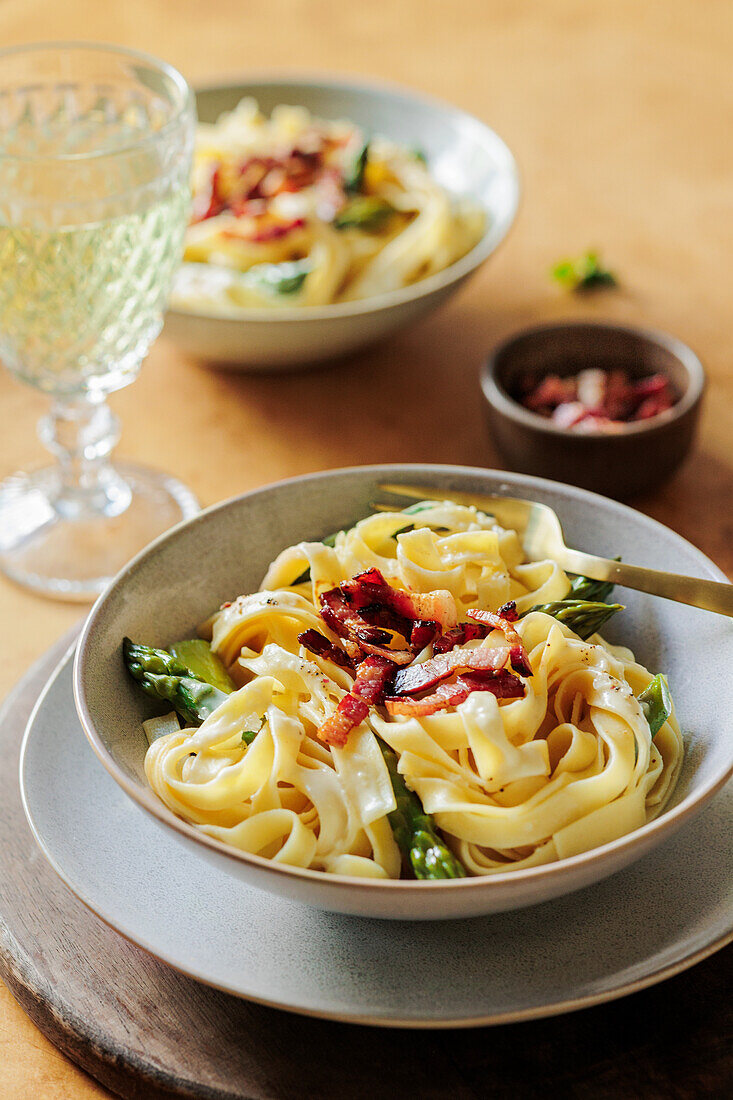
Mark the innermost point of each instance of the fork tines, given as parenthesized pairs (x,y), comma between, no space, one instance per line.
(428,492)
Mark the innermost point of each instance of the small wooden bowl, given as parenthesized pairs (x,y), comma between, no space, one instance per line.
(625,463)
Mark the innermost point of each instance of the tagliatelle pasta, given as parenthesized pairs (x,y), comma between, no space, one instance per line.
(297,211)
(557,762)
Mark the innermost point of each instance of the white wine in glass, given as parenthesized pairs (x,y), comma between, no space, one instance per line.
(95,158)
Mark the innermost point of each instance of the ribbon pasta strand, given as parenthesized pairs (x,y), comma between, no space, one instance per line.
(281,191)
(512,783)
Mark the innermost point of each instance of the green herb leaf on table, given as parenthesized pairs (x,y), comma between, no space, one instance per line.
(584,273)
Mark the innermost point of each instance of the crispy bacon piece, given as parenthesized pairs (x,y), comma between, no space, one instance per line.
(340,616)
(344,619)
(549,393)
(459,635)
(408,681)
(422,633)
(598,400)
(386,619)
(651,384)
(517,653)
(252,172)
(263,177)
(350,712)
(258,179)
(418,634)
(366,613)
(264,229)
(371,588)
(502,683)
(354,650)
(618,401)
(366,608)
(369,576)
(653,405)
(509,611)
(330,194)
(372,678)
(276,231)
(322,646)
(210,203)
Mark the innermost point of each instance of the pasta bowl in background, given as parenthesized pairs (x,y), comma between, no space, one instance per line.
(464,155)
(231,546)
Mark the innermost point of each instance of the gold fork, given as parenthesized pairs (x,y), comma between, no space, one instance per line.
(541,535)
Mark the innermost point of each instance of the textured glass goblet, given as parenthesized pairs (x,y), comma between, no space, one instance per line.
(95,157)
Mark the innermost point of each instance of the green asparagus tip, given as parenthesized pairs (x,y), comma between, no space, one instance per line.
(423,849)
(656,703)
(584,617)
(196,655)
(431,858)
(584,588)
(162,676)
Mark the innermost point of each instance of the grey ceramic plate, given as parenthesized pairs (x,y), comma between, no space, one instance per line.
(465,156)
(182,576)
(668,911)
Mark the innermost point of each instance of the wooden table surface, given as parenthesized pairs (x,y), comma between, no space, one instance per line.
(619,116)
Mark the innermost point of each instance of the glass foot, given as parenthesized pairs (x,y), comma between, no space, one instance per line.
(75,558)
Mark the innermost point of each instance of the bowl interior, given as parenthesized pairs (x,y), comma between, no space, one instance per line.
(185,574)
(464,155)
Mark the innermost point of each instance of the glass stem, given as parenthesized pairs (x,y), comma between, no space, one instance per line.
(81,432)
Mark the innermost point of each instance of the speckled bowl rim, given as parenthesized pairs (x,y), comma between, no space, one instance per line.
(498,397)
(667,822)
(491,238)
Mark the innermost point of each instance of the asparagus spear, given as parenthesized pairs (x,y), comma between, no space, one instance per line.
(583,588)
(364,212)
(656,703)
(354,175)
(414,830)
(202,664)
(585,608)
(165,677)
(585,617)
(283,278)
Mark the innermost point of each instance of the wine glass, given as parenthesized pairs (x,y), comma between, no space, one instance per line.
(95,156)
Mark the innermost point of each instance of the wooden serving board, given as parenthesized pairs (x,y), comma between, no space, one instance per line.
(144,1030)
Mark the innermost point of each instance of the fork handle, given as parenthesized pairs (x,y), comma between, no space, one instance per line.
(710,595)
